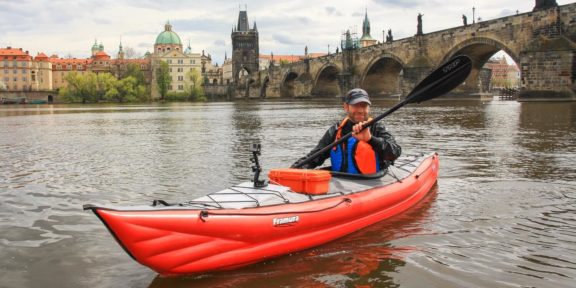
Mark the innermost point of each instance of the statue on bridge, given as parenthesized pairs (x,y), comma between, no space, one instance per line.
(389,37)
(465,20)
(419,27)
(545,4)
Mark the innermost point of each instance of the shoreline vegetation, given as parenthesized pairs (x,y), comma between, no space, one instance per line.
(129,87)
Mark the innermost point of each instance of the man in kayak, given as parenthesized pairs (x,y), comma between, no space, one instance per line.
(366,152)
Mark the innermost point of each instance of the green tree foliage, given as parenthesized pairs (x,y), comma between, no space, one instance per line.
(91,87)
(163,79)
(133,69)
(81,88)
(194,88)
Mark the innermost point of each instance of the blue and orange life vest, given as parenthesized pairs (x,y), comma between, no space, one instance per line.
(353,156)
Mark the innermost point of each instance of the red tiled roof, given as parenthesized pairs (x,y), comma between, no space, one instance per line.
(14,52)
(41,57)
(63,63)
(101,55)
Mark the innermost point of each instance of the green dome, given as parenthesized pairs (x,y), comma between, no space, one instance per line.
(168,36)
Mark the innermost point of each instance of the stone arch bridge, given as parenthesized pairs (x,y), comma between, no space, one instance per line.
(542,43)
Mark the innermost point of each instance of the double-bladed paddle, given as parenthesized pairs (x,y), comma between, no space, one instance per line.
(441,81)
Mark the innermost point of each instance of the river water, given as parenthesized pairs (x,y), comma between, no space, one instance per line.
(502,215)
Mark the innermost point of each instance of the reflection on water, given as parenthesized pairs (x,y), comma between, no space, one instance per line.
(503,214)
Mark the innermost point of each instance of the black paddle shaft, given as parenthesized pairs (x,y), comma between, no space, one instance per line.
(439,82)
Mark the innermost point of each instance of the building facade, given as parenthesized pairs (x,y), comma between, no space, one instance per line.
(19,71)
(503,75)
(168,48)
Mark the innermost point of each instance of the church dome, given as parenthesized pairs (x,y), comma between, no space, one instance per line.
(168,36)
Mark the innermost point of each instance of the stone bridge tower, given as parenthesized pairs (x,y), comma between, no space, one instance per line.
(245,48)
(545,4)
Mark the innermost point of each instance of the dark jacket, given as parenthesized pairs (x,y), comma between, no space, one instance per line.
(382,142)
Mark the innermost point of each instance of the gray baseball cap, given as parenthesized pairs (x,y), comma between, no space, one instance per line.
(356,96)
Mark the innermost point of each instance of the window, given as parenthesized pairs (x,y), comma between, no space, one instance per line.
(15,79)
(180,69)
(59,67)
(180,61)
(24,71)
(6,79)
(191,69)
(170,70)
(24,79)
(33,77)
(79,67)
(24,64)
(169,61)
(180,87)
(170,87)
(6,71)
(180,78)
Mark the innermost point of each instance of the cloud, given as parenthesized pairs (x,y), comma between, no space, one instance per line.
(285,39)
(399,3)
(332,11)
(505,13)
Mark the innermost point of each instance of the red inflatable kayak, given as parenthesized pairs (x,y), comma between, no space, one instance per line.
(243,224)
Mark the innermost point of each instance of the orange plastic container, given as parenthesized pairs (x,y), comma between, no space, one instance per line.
(314,182)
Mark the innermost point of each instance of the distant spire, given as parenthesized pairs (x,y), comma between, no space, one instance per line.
(366,25)
(168,26)
(242,21)
(225,55)
(255,28)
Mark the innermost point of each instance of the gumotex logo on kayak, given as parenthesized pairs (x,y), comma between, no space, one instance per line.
(286,221)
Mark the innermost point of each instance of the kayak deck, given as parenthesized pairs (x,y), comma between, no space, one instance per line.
(245,195)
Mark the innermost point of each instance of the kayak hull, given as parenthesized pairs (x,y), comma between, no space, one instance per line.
(187,241)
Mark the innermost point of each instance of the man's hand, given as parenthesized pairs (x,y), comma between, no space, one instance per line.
(363,135)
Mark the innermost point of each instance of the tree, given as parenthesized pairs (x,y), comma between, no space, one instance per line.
(133,70)
(105,84)
(81,88)
(163,79)
(91,87)
(130,53)
(126,90)
(194,87)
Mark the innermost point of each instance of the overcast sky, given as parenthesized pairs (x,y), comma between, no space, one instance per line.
(69,27)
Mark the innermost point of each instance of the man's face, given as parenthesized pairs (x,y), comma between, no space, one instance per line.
(357,112)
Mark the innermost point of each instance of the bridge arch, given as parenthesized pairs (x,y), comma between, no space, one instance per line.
(326,82)
(287,87)
(383,75)
(480,50)
(477,48)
